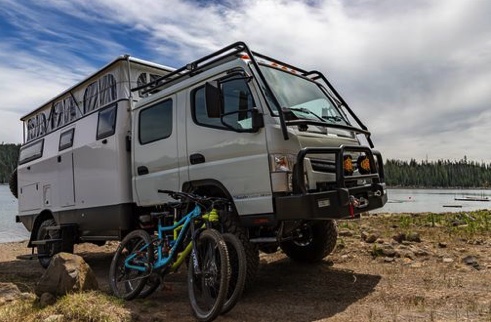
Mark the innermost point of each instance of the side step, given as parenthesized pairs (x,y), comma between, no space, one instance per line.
(46,241)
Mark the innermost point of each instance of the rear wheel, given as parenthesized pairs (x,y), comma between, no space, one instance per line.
(47,251)
(208,282)
(125,282)
(238,271)
(316,240)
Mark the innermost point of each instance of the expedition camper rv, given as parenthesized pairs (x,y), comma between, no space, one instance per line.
(278,141)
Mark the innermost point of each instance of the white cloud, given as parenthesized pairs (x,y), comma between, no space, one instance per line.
(416,72)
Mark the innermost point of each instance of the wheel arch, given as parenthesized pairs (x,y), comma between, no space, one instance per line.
(207,187)
(43,215)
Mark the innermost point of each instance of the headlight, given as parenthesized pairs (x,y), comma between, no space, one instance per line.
(282,162)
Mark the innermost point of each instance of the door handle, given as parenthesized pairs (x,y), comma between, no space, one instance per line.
(142,170)
(196,158)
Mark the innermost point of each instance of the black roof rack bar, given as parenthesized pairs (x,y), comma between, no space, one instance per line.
(193,66)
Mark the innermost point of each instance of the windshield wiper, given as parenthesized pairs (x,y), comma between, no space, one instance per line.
(335,119)
(304,110)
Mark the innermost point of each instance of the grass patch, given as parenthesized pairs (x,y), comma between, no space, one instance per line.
(87,306)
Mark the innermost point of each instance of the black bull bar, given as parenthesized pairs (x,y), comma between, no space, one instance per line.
(345,201)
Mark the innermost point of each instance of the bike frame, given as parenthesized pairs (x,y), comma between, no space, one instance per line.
(183,226)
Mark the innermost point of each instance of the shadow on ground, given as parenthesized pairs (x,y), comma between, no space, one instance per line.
(283,291)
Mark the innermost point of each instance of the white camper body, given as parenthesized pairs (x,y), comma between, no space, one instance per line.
(75,163)
(279,142)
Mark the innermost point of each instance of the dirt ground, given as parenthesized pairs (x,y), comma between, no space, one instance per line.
(432,276)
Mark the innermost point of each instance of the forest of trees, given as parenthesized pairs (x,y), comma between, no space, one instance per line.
(9,155)
(442,173)
(431,174)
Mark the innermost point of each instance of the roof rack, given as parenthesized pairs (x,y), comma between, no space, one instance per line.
(192,68)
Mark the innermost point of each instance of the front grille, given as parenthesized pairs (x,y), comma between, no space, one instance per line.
(323,165)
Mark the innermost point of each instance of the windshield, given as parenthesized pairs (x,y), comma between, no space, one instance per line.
(302,97)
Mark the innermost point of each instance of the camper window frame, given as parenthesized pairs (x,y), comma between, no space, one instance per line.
(38,153)
(62,145)
(104,135)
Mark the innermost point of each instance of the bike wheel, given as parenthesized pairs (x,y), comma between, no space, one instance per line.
(238,271)
(126,283)
(208,286)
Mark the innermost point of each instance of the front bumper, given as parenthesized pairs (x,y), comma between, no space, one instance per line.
(345,201)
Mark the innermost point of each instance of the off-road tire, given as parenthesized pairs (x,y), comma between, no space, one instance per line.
(13,183)
(230,223)
(319,241)
(50,249)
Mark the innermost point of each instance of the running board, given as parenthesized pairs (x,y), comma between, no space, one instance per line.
(264,240)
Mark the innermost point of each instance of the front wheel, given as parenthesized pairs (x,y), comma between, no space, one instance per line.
(208,275)
(316,240)
(136,249)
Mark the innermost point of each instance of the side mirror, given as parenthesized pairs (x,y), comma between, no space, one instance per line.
(257,120)
(213,99)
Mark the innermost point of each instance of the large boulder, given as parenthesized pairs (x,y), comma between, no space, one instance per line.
(67,273)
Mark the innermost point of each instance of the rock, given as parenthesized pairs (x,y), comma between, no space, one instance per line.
(413,237)
(47,299)
(471,261)
(371,238)
(345,233)
(389,259)
(389,252)
(447,260)
(442,245)
(9,292)
(67,273)
(400,237)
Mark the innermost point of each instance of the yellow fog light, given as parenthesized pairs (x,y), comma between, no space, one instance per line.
(348,165)
(363,164)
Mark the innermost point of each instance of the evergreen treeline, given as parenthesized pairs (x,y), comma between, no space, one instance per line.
(441,173)
(9,156)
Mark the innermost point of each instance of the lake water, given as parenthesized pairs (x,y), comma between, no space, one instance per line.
(433,200)
(400,201)
(10,231)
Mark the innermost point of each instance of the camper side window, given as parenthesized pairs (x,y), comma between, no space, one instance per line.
(106,123)
(90,98)
(66,140)
(31,152)
(107,89)
(155,122)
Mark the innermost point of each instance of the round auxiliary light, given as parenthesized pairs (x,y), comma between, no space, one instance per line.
(348,165)
(363,164)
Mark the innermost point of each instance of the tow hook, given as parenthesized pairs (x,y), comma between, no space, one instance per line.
(358,203)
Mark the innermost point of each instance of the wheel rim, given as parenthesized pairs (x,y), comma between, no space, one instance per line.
(305,236)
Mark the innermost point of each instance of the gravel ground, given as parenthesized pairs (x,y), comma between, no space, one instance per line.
(378,272)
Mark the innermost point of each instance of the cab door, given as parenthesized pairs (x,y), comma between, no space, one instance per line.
(224,149)
(155,151)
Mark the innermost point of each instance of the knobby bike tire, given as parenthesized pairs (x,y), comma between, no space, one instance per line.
(127,283)
(207,291)
(238,271)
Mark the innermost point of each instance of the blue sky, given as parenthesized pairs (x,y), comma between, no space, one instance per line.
(418,73)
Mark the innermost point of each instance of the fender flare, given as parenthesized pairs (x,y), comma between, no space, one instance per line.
(43,215)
